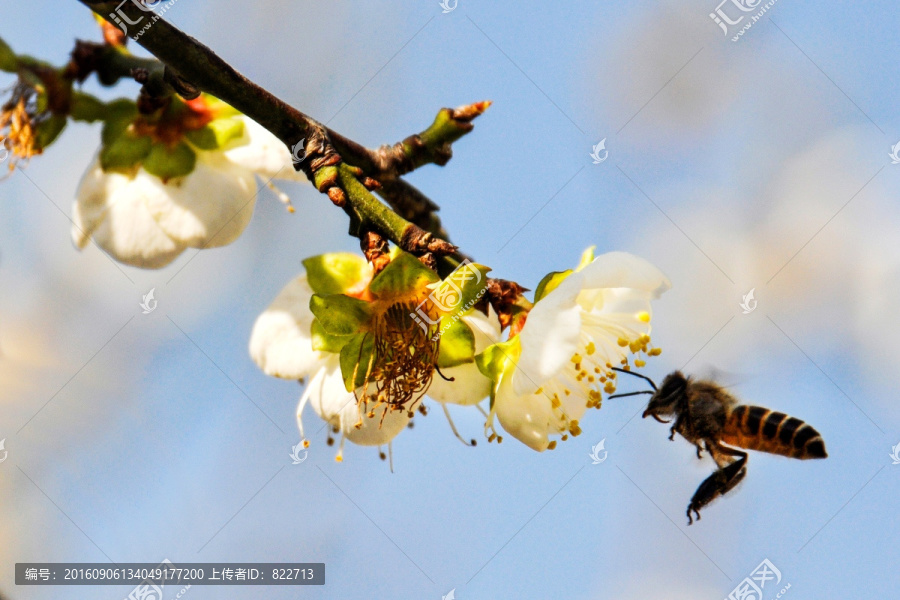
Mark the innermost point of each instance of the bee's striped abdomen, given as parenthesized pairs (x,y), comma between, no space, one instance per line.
(757,428)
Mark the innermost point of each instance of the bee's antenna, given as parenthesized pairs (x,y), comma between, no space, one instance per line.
(644,377)
(630,394)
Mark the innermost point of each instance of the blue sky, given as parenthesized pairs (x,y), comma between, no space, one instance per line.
(759,164)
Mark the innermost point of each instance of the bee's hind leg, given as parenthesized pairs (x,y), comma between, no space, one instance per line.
(722,481)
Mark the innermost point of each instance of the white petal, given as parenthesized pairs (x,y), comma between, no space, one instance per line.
(469,386)
(550,336)
(263,153)
(208,208)
(109,208)
(338,407)
(281,343)
(624,270)
(527,417)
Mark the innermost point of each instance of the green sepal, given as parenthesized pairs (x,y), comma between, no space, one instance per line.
(8,60)
(403,274)
(220,108)
(49,130)
(216,134)
(120,114)
(549,283)
(458,292)
(87,108)
(457,343)
(334,273)
(587,257)
(168,163)
(125,152)
(357,357)
(493,361)
(326,342)
(340,314)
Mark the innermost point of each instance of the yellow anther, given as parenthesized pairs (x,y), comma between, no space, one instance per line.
(643,316)
(590,348)
(655,352)
(639,363)
(551,445)
(622,342)
(576,358)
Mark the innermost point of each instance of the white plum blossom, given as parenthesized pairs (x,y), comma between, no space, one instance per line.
(468,385)
(464,384)
(146,221)
(548,375)
(281,345)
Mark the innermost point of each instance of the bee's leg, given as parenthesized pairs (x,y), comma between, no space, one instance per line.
(674,429)
(722,481)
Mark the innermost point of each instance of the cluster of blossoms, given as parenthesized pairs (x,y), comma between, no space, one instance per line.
(371,341)
(373,347)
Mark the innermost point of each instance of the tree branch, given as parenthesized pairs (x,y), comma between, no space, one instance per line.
(196,63)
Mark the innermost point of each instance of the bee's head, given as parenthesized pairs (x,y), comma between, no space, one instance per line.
(664,401)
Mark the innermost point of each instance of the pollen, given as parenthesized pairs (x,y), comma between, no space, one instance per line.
(590,348)
(576,358)
(622,342)
(539,391)
(639,363)
(405,359)
(609,388)
(655,352)
(551,445)
(18,124)
(643,316)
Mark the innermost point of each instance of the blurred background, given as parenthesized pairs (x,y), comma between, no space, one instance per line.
(759,164)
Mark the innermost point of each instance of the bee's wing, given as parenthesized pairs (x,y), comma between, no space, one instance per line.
(724,378)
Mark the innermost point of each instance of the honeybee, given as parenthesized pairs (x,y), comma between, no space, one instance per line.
(707,416)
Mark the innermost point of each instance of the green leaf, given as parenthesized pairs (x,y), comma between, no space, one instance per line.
(405,273)
(549,283)
(216,134)
(167,163)
(87,108)
(326,342)
(49,130)
(334,273)
(459,291)
(357,357)
(124,152)
(340,314)
(457,343)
